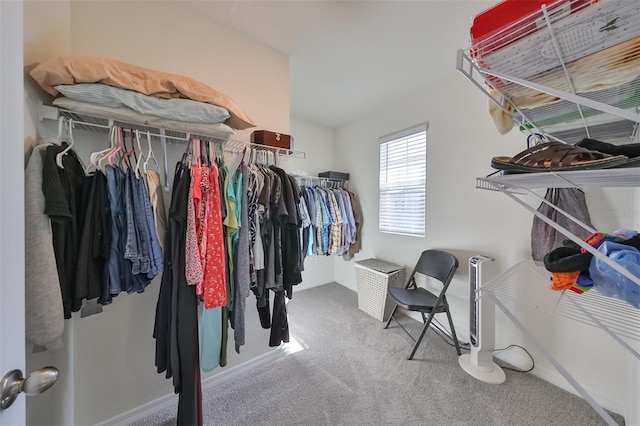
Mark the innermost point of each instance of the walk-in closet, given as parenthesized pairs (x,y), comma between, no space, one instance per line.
(160,258)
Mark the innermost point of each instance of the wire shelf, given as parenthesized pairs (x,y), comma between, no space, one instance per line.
(622,177)
(521,283)
(102,124)
(492,185)
(568,71)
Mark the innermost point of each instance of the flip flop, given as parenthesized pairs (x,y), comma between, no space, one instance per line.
(567,259)
(557,156)
(631,162)
(631,150)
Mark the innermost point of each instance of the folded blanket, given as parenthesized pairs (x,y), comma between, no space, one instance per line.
(87,69)
(611,67)
(215,131)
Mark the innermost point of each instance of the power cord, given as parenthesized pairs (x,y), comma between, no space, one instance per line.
(444,335)
(448,339)
(517,370)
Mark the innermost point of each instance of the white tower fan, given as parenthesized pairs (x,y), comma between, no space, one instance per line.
(479,362)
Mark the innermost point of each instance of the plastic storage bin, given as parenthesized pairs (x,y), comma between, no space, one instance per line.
(373,278)
(334,175)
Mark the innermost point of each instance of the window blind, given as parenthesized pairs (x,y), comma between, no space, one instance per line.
(403,179)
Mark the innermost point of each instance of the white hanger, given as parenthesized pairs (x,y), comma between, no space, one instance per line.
(139,162)
(150,155)
(97,156)
(61,127)
(195,151)
(246,155)
(117,137)
(68,148)
(104,155)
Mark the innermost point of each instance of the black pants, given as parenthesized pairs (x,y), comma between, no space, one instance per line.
(188,350)
(279,323)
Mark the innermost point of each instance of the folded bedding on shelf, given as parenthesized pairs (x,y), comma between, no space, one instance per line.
(598,41)
(510,20)
(172,109)
(524,54)
(604,71)
(625,96)
(607,68)
(87,69)
(127,115)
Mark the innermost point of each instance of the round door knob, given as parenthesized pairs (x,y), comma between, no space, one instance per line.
(13,383)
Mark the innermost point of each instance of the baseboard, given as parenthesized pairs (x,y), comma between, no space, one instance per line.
(519,360)
(171,400)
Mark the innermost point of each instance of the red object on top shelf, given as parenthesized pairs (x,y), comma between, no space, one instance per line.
(510,20)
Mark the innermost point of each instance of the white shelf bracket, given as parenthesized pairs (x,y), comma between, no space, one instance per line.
(46,112)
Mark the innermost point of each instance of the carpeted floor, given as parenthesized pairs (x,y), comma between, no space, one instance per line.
(353,372)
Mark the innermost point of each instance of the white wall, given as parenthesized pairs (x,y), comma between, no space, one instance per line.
(167,37)
(108,365)
(466,221)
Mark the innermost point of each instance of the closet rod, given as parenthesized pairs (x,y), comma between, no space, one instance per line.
(323,180)
(161,135)
(53,113)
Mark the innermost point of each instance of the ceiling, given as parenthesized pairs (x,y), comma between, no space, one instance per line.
(348,58)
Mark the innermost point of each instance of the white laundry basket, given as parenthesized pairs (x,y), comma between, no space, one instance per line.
(373,278)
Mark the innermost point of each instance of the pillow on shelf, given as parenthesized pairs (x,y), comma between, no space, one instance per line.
(87,69)
(173,109)
(218,131)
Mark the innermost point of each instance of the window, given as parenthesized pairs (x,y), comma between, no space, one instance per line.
(403,182)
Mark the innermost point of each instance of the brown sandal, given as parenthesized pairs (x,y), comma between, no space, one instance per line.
(557,156)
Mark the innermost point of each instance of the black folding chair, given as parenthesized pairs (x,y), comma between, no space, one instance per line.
(441,266)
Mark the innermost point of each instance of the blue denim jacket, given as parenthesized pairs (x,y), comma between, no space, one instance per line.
(155,252)
(115,181)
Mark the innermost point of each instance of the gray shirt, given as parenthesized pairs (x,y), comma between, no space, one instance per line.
(44,315)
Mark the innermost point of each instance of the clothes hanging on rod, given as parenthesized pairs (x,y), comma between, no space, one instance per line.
(64,193)
(85,119)
(241,227)
(213,225)
(230,233)
(72,203)
(135,256)
(330,222)
(104,235)
(176,323)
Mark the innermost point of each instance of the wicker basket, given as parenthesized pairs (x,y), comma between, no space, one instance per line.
(373,278)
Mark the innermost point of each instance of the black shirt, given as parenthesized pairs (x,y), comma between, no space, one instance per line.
(62,188)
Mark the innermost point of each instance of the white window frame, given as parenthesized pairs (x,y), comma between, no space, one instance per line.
(402,182)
